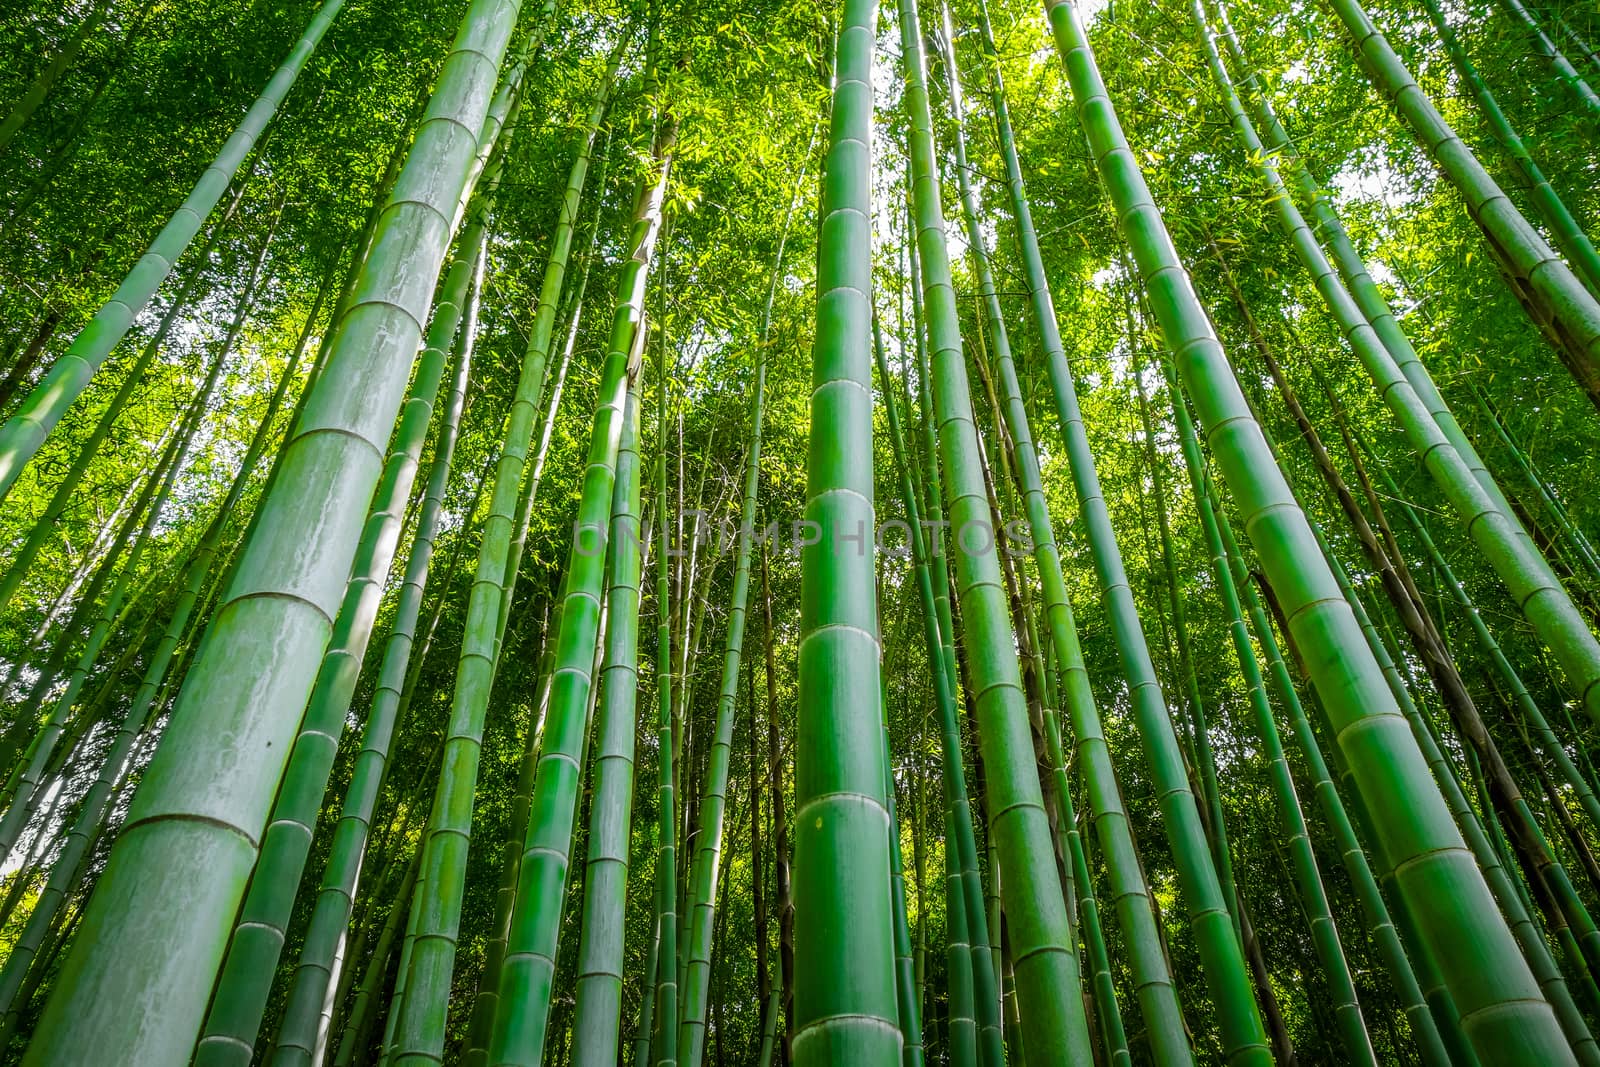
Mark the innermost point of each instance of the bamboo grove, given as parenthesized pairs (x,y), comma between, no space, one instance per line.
(778,531)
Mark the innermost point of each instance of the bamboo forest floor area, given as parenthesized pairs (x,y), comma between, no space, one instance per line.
(822,532)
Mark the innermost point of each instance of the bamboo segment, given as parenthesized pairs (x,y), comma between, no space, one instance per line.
(660,1033)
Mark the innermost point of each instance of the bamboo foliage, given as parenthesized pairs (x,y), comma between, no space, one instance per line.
(23,433)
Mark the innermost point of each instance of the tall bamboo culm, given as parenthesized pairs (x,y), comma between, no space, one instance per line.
(841,820)
(194,827)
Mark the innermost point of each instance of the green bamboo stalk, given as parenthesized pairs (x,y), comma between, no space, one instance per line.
(25,431)
(357,942)
(1203,759)
(566,962)
(776,766)
(1063,647)
(1107,1011)
(1439,1034)
(1506,892)
(1545,874)
(1427,1023)
(361,1008)
(1243,1038)
(44,530)
(842,925)
(528,969)
(1153,983)
(961,1028)
(1051,1005)
(1368,297)
(193,829)
(985,995)
(1572,311)
(658,1033)
(647,995)
(769,1028)
(534,474)
(419,1032)
(480,1026)
(758,870)
(912,1054)
(1494,858)
(997,955)
(246,978)
(959,976)
(402,979)
(240,998)
(597,1012)
(1509,895)
(1502,1009)
(481,1023)
(1308,879)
